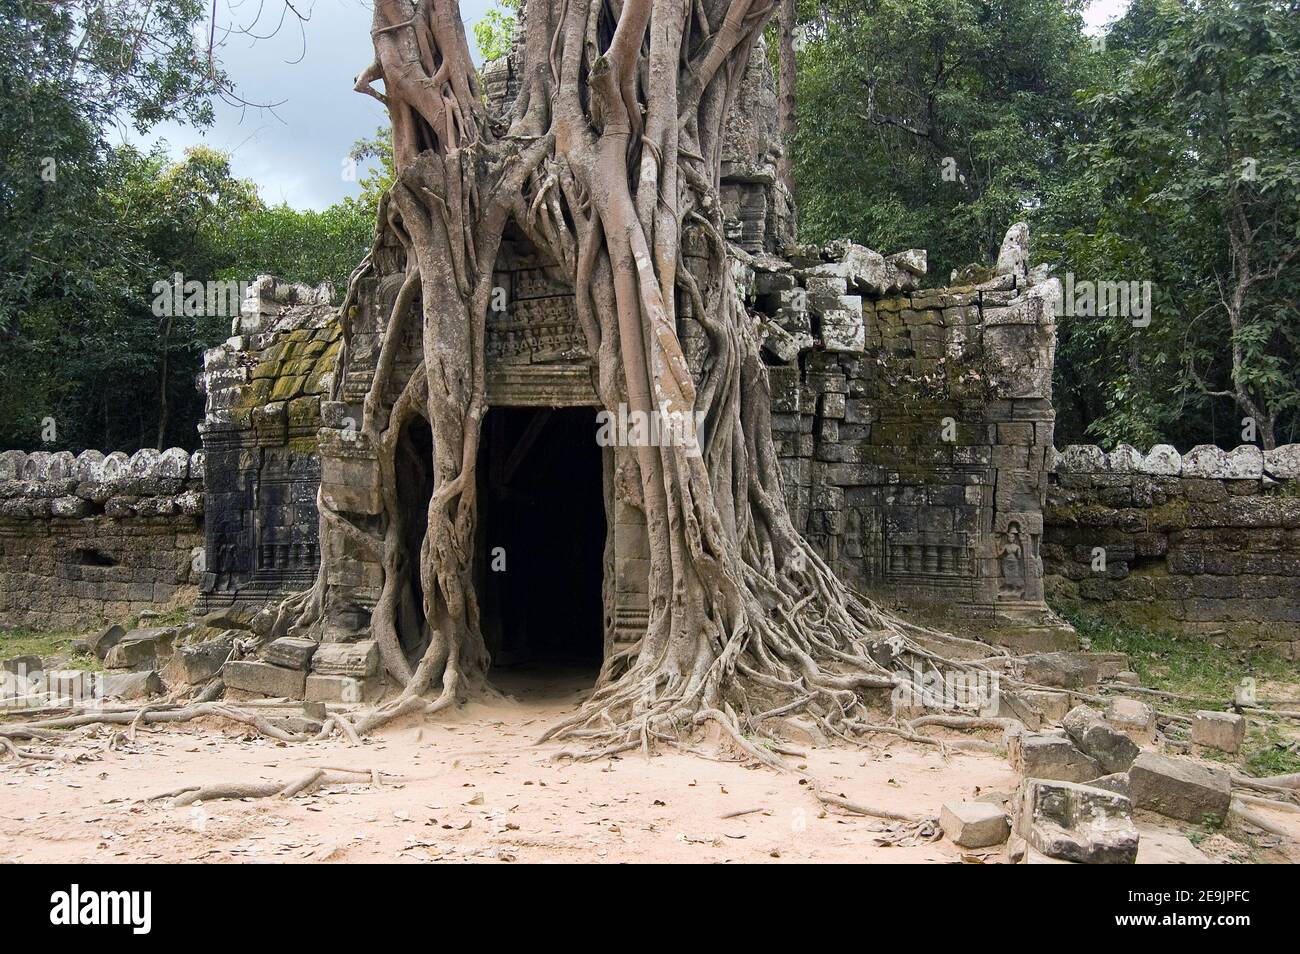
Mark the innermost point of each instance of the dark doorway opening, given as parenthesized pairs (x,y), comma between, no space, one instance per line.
(542,540)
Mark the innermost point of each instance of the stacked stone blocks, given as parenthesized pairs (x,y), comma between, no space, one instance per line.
(1206,543)
(98,535)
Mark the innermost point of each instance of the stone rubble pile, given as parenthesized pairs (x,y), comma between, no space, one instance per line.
(1072,822)
(235,643)
(291,667)
(1097,777)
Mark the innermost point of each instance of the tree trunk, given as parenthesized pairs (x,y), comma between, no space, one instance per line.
(785,91)
(1240,235)
(163,405)
(609,161)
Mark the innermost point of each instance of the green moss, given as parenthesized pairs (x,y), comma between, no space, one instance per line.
(303,411)
(1078,514)
(1147,616)
(258,392)
(270,356)
(1169,516)
(287,387)
(293,365)
(175,617)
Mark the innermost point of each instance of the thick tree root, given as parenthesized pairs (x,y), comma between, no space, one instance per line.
(149,715)
(1239,812)
(1276,803)
(766,757)
(306,784)
(25,754)
(1291,781)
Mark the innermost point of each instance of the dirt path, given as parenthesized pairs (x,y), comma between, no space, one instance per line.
(476,788)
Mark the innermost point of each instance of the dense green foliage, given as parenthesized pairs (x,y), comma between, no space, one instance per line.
(71,258)
(380,176)
(88,230)
(933,123)
(495,30)
(1190,179)
(107,370)
(1142,155)
(299,245)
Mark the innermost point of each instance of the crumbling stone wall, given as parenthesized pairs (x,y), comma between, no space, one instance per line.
(263,390)
(913,424)
(95,537)
(758,210)
(1206,543)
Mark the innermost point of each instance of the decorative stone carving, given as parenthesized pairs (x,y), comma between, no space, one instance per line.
(1011,563)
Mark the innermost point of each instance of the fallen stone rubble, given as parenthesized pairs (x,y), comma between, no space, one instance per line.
(152,659)
(1095,763)
(1074,822)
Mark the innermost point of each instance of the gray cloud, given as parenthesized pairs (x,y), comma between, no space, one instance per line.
(295,152)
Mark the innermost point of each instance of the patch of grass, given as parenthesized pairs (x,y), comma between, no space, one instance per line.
(1182,664)
(1196,667)
(1270,752)
(46,643)
(175,617)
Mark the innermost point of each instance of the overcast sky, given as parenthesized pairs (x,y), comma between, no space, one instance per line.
(295,152)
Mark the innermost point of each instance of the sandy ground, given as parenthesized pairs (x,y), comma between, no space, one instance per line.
(476,788)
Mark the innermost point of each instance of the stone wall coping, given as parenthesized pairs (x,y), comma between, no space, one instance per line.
(1204,461)
(92,466)
(36,485)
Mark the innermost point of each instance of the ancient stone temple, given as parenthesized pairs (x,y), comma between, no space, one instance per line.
(913,427)
(263,389)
